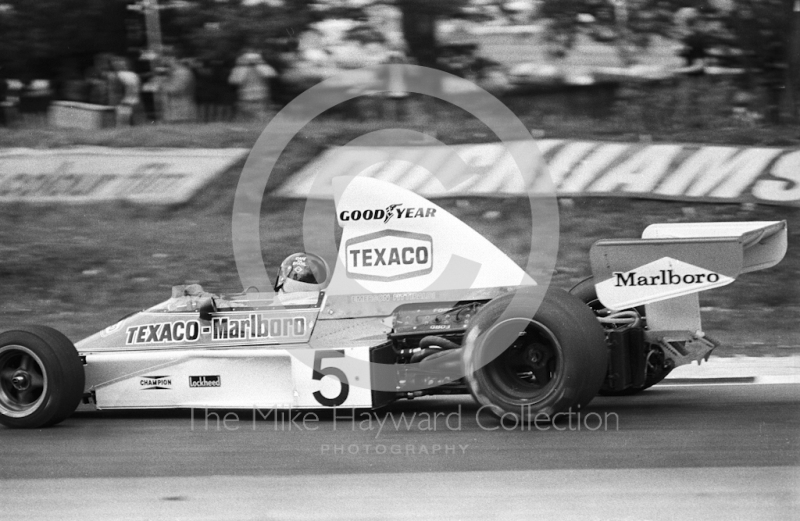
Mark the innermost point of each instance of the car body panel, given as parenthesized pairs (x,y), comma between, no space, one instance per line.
(255,377)
(303,350)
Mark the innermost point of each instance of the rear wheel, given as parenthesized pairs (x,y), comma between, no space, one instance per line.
(41,377)
(527,364)
(656,370)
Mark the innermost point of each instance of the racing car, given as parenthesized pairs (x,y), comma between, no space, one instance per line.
(393,320)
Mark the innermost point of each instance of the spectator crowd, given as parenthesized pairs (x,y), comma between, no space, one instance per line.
(168,89)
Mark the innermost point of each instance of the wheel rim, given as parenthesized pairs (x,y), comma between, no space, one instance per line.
(23,381)
(530,369)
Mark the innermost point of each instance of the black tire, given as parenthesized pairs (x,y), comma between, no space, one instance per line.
(586,291)
(563,348)
(41,377)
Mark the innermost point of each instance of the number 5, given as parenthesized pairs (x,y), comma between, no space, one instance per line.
(319,373)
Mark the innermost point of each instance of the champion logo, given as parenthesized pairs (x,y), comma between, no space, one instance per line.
(160,382)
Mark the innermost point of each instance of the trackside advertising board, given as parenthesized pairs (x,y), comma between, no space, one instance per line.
(94,174)
(664,171)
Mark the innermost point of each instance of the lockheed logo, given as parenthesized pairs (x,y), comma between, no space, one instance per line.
(205,381)
(389,255)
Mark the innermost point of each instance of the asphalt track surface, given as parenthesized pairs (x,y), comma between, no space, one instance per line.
(673,452)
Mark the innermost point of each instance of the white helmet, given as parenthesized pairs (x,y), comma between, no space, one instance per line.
(302,272)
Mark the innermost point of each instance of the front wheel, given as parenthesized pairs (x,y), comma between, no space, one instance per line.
(41,377)
(534,365)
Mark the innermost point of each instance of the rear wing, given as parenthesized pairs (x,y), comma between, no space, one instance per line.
(673,260)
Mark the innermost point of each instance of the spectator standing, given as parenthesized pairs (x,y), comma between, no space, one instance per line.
(695,46)
(115,88)
(212,91)
(203,93)
(129,108)
(72,85)
(395,103)
(5,104)
(251,76)
(3,86)
(97,80)
(152,100)
(35,100)
(694,35)
(177,90)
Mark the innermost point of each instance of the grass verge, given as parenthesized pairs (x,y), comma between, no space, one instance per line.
(81,268)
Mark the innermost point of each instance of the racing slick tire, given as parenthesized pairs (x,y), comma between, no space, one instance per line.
(532,366)
(586,291)
(41,377)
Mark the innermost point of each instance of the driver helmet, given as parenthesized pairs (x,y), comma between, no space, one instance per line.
(302,272)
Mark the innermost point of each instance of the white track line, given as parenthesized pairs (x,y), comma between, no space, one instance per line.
(739,370)
(751,493)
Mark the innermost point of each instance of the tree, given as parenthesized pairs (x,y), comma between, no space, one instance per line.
(750,34)
(419,18)
(215,30)
(628,24)
(758,38)
(37,38)
(419,25)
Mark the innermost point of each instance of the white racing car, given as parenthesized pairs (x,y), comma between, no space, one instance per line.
(396,320)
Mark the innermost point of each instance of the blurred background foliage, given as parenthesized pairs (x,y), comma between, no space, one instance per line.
(49,38)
